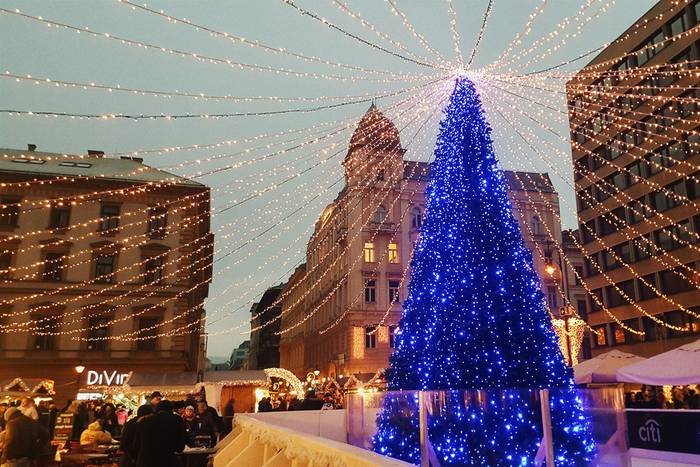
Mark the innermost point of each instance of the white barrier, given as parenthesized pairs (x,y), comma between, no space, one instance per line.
(256,443)
(328,424)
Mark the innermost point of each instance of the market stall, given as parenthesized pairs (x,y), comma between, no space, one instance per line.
(242,387)
(603,368)
(18,388)
(680,366)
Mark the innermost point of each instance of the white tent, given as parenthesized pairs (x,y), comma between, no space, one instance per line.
(603,368)
(678,366)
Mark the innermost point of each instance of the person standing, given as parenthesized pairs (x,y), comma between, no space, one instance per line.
(28,408)
(206,423)
(25,438)
(159,437)
(130,433)
(108,417)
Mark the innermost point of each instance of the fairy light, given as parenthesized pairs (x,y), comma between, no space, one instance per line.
(574,336)
(252,43)
(209,59)
(370,27)
(123,336)
(421,39)
(620,291)
(480,35)
(456,40)
(518,39)
(561,26)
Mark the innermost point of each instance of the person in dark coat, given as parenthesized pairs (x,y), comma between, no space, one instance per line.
(129,435)
(81,420)
(159,437)
(227,418)
(205,423)
(25,438)
(311,402)
(108,416)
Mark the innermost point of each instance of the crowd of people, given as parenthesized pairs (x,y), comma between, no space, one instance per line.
(153,435)
(653,397)
(312,401)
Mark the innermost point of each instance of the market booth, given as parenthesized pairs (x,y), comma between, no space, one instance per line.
(18,388)
(603,368)
(665,434)
(242,387)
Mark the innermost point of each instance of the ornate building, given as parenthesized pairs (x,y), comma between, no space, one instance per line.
(92,248)
(341,310)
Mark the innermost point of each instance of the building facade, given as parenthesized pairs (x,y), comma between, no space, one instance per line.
(265,343)
(93,248)
(634,121)
(341,316)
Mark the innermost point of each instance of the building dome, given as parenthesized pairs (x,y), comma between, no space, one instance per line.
(375,129)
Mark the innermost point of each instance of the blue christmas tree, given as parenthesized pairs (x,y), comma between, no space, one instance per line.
(475,318)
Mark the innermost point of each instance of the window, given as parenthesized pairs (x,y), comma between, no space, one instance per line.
(104,269)
(536,226)
(53,267)
(157,221)
(394,294)
(393,253)
(9,212)
(98,329)
(59,217)
(369,252)
(552,298)
(147,334)
(642,248)
(392,336)
(416,218)
(5,265)
(154,270)
(579,275)
(673,283)
(600,337)
(380,214)
(380,175)
(636,211)
(370,337)
(581,308)
(617,298)
(109,215)
(619,335)
(595,302)
(43,337)
(645,290)
(370,291)
(680,24)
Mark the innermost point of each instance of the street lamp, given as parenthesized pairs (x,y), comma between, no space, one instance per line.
(79,368)
(550,269)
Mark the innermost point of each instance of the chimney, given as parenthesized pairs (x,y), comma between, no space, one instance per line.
(94,153)
(31,147)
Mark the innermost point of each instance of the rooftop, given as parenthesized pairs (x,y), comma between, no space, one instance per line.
(92,166)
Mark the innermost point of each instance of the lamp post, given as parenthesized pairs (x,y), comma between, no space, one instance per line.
(79,368)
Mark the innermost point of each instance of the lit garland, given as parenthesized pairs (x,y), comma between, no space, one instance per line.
(574,337)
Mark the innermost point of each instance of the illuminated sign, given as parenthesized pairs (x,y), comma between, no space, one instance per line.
(106,378)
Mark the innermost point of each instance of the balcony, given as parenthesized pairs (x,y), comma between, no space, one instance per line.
(382,227)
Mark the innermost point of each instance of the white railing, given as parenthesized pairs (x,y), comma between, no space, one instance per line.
(255,443)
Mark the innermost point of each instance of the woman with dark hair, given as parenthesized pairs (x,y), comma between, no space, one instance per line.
(81,421)
(108,417)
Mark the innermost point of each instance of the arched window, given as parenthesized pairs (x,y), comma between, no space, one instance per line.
(380,214)
(536,226)
(416,218)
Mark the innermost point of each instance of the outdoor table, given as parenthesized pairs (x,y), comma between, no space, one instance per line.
(196,457)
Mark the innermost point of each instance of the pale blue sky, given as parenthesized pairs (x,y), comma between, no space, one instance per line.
(28,47)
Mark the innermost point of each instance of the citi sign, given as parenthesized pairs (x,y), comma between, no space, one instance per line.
(650,432)
(105,378)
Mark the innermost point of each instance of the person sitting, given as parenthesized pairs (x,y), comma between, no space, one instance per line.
(94,435)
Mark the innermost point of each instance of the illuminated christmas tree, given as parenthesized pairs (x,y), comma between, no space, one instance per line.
(475,318)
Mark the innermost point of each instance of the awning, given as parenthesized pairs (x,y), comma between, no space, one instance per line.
(236,377)
(165,383)
(603,368)
(679,366)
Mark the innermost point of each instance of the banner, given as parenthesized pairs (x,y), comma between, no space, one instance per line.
(664,430)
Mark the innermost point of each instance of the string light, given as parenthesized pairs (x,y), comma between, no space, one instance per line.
(480,35)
